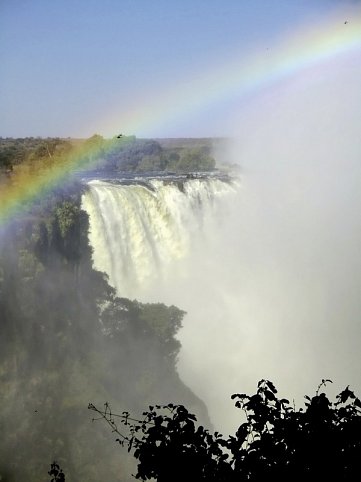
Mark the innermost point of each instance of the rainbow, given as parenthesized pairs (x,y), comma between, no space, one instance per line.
(28,183)
(241,77)
(236,79)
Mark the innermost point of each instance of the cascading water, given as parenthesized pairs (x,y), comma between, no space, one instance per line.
(268,274)
(141,231)
(158,242)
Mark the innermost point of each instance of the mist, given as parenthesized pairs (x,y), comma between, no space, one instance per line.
(272,285)
(263,270)
(289,257)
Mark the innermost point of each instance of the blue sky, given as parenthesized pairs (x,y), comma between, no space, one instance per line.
(75,67)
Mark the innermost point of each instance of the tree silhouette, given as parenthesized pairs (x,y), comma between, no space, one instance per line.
(319,442)
(56,473)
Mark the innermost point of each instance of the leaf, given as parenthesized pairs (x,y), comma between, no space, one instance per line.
(269,395)
(271,387)
(345,395)
(239,395)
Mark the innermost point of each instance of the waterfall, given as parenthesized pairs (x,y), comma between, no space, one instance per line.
(140,231)
(269,273)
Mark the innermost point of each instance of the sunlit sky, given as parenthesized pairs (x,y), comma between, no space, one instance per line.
(79,67)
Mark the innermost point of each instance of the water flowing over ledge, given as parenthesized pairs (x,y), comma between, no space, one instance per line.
(141,227)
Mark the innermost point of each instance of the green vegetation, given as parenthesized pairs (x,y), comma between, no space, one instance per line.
(66,338)
(146,155)
(31,149)
(117,154)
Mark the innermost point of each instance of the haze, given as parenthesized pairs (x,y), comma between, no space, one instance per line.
(283,264)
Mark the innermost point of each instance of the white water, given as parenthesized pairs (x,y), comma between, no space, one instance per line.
(141,234)
(269,275)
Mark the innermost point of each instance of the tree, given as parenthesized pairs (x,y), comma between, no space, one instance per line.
(56,473)
(63,336)
(276,441)
(193,159)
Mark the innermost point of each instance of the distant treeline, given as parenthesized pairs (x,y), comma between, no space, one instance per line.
(126,153)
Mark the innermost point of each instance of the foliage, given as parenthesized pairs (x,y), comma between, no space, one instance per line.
(276,441)
(31,149)
(193,159)
(65,338)
(126,320)
(146,155)
(56,473)
(34,155)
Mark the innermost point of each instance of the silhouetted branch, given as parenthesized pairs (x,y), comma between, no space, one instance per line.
(322,442)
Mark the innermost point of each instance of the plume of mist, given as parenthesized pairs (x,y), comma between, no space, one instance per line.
(271,279)
(272,288)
